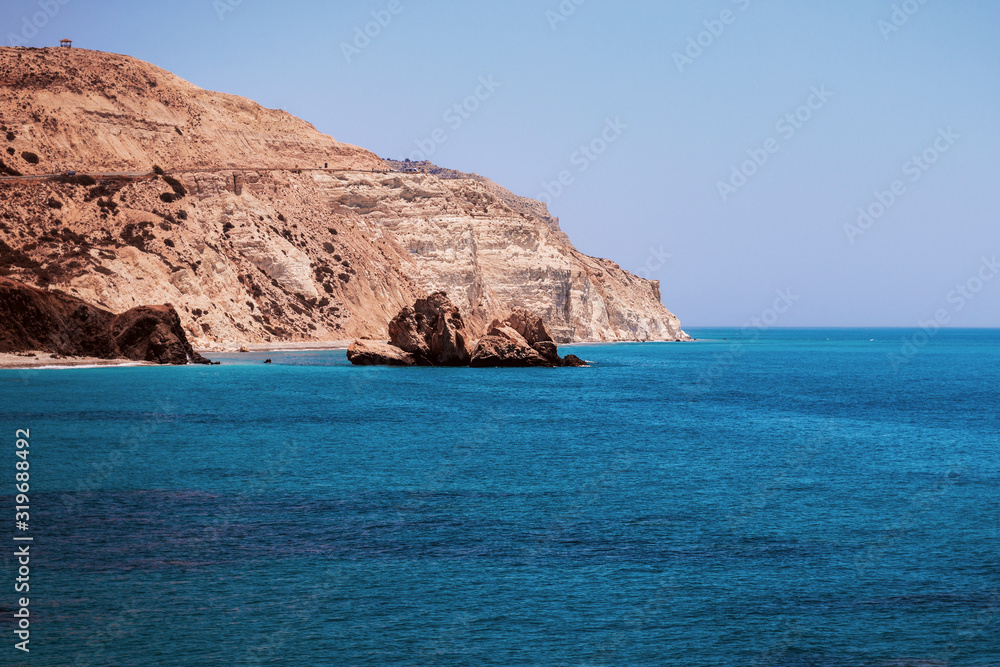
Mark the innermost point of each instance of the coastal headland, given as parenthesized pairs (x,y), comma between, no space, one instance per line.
(124,185)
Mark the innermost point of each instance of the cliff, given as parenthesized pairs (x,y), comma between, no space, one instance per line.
(46,321)
(250,236)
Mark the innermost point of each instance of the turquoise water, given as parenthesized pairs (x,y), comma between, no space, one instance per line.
(795,497)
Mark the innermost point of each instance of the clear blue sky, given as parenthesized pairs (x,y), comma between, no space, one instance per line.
(686,124)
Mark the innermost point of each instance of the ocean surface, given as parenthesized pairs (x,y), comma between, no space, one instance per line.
(787,497)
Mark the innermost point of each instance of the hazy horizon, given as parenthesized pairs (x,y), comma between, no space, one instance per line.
(860,134)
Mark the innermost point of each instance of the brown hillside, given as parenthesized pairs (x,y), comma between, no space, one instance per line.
(94,111)
(249,239)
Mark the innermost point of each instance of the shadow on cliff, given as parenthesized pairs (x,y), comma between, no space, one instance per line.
(36,320)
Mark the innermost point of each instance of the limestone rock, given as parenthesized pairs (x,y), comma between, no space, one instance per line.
(378,353)
(279,260)
(521,339)
(433,331)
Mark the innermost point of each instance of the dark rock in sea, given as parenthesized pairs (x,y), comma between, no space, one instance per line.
(502,347)
(432,331)
(154,334)
(521,340)
(574,361)
(548,351)
(378,353)
(528,325)
(34,319)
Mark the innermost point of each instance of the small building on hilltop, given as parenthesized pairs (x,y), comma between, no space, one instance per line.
(66,43)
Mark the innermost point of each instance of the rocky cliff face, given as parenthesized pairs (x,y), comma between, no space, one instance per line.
(253,242)
(40,320)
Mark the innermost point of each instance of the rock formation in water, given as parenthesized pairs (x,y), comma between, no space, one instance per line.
(48,321)
(432,333)
(153,333)
(261,228)
(367,352)
(520,340)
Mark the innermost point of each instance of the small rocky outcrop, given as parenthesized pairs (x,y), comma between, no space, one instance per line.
(531,327)
(378,353)
(36,320)
(520,340)
(432,331)
(503,346)
(154,334)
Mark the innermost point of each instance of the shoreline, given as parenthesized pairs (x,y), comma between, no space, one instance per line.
(47,360)
(277,347)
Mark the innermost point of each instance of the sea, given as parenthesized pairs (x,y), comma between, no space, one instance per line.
(759,497)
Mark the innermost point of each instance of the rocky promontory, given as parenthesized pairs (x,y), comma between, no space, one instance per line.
(44,321)
(433,333)
(261,229)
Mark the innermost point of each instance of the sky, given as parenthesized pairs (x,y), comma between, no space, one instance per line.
(834,160)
